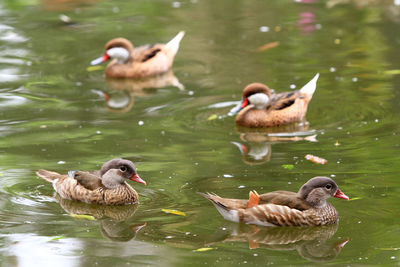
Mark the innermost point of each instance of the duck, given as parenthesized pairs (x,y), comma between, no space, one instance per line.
(260,108)
(143,61)
(106,187)
(307,207)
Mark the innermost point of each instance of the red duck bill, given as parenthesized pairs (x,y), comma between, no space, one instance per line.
(100,60)
(136,178)
(340,194)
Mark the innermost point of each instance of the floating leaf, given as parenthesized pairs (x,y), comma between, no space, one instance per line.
(355,198)
(176,212)
(268,46)
(212,117)
(288,166)
(203,249)
(315,159)
(391,72)
(94,68)
(337,143)
(82,216)
(58,237)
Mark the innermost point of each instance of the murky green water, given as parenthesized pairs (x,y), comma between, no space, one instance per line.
(54,115)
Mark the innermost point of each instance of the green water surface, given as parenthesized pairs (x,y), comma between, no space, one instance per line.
(57,114)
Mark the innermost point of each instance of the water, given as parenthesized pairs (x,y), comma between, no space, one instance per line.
(54,115)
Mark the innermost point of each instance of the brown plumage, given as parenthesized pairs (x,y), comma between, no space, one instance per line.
(283,208)
(139,62)
(108,186)
(260,108)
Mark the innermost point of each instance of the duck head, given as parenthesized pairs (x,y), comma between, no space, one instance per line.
(118,48)
(318,189)
(116,171)
(255,94)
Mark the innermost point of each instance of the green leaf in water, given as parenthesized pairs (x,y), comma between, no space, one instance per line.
(94,68)
(82,216)
(355,198)
(212,117)
(58,237)
(391,72)
(288,166)
(176,212)
(203,249)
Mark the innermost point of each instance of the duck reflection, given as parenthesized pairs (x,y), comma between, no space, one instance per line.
(65,5)
(114,220)
(121,98)
(312,243)
(256,146)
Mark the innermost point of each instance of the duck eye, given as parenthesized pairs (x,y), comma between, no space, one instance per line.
(123,168)
(328,186)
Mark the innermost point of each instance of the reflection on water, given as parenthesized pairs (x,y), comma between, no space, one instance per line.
(64,5)
(115,221)
(256,146)
(312,243)
(121,98)
(32,250)
(182,141)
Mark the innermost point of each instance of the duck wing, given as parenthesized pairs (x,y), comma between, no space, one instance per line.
(275,215)
(226,203)
(283,100)
(88,180)
(146,52)
(284,198)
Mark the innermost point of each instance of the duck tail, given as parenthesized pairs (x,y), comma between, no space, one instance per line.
(49,176)
(226,212)
(173,45)
(310,87)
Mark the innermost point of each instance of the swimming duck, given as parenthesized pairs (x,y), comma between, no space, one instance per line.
(308,207)
(260,108)
(108,186)
(139,62)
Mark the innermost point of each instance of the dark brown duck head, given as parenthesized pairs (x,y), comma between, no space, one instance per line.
(119,48)
(318,189)
(256,94)
(116,171)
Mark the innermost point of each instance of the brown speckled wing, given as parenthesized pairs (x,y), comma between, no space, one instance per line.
(69,188)
(284,198)
(146,52)
(271,214)
(88,180)
(283,100)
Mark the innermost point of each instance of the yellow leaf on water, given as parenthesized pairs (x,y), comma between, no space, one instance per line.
(82,216)
(315,159)
(176,212)
(94,68)
(392,72)
(212,117)
(268,46)
(203,249)
(354,198)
